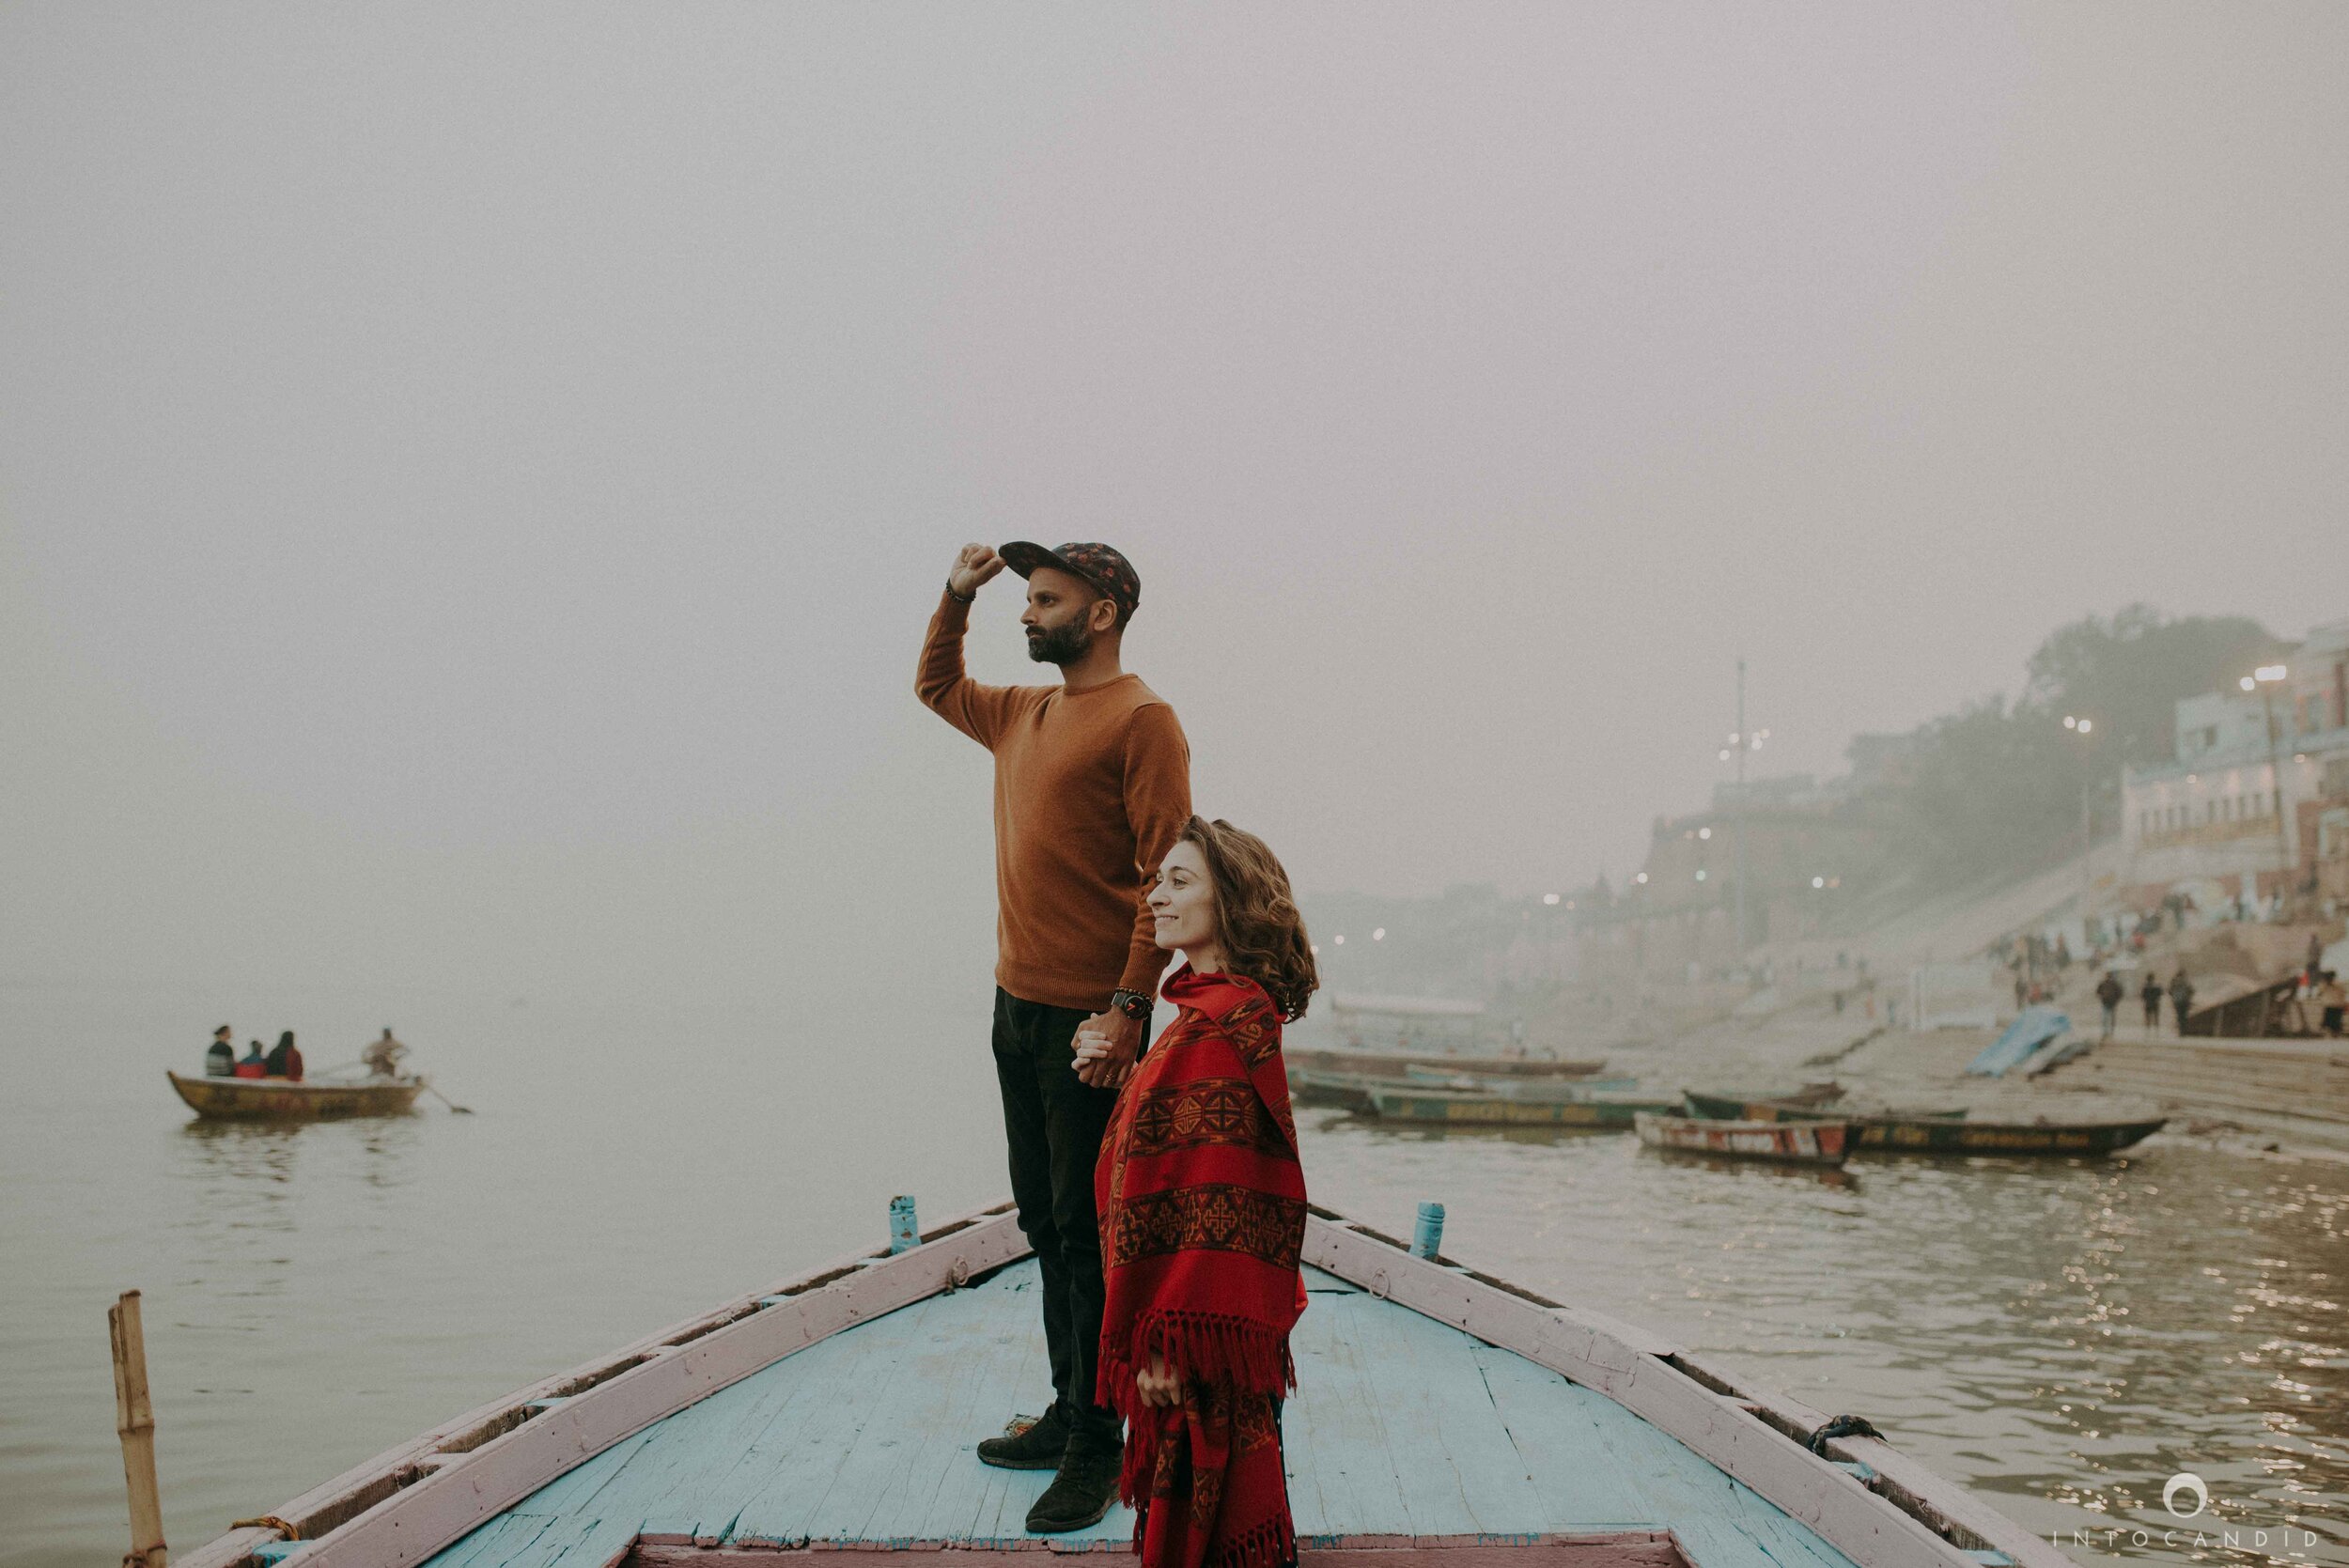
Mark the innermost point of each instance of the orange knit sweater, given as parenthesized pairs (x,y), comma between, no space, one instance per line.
(1092,789)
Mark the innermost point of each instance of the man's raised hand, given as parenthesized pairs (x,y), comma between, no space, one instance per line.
(976,564)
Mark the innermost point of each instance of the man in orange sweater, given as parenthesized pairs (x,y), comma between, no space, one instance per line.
(1092,789)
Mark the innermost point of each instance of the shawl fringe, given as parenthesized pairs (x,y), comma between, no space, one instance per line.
(1269,1544)
(1210,1348)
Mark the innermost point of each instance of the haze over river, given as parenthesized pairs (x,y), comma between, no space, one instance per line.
(2065,1336)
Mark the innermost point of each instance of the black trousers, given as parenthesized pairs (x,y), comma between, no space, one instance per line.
(1053,1124)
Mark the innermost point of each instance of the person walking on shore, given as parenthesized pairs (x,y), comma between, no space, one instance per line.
(2150,994)
(1092,789)
(1203,1216)
(2110,991)
(2181,999)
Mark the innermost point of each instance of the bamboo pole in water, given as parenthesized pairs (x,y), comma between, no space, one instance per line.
(134,1423)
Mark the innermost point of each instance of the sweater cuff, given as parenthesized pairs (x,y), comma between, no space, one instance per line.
(1143,966)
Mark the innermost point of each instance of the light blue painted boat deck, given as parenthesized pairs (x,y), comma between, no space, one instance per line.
(1400,1426)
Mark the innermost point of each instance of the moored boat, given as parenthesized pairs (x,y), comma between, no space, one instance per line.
(1966,1133)
(279,1100)
(1440,1414)
(1353,1091)
(1809,1142)
(1462,1108)
(1393,1066)
(1959,1131)
(1734,1107)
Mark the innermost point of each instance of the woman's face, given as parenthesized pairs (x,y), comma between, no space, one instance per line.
(1183,901)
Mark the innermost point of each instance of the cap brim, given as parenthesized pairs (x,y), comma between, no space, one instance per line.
(1025,558)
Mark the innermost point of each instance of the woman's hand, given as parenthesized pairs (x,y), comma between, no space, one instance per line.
(1105,1047)
(1155,1384)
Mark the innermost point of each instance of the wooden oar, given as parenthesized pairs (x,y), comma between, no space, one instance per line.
(460,1109)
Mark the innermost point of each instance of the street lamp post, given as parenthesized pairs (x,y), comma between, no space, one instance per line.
(2083,726)
(2264,680)
(1741,742)
(1741,822)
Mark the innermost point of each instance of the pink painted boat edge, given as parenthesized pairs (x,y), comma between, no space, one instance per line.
(1598,1549)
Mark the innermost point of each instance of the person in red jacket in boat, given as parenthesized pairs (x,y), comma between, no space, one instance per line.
(285,1061)
(253,1063)
(1201,1205)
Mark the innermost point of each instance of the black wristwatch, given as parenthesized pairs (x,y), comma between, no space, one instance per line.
(1134,1004)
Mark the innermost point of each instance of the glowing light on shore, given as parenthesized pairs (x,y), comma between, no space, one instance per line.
(1550,898)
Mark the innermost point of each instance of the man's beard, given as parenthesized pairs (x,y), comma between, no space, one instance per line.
(1061,644)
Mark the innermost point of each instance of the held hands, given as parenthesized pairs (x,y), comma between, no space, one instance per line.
(1155,1385)
(1107,1044)
(977,563)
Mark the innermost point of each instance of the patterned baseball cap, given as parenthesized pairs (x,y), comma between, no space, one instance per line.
(1097,563)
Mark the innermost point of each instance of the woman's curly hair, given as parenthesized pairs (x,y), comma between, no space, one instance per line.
(1263,932)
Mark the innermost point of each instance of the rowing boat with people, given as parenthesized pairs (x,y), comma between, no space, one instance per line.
(1442,1417)
(311,1099)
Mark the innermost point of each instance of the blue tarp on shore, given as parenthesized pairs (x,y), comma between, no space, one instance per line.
(2031,1029)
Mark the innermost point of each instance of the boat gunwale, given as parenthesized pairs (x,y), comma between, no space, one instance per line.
(221,1098)
(381,1514)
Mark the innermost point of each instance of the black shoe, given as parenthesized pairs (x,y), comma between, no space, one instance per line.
(1037,1446)
(1084,1490)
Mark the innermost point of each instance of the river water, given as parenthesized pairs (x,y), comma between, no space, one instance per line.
(2063,1336)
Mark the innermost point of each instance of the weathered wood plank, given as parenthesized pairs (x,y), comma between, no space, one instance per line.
(1438,1408)
(1829,1501)
(1554,1424)
(788,1464)
(1339,1424)
(1007,1374)
(413,1524)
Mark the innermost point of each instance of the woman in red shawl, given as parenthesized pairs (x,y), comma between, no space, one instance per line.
(1201,1205)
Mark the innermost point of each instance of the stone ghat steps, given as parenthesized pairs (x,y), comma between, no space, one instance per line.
(2303,1080)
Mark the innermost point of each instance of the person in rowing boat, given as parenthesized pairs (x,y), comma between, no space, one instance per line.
(381,1057)
(1092,789)
(284,1059)
(1202,1215)
(253,1063)
(219,1061)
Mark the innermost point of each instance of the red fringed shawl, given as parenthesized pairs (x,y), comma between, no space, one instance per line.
(1202,1204)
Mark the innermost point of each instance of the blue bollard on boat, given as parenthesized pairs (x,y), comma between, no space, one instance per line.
(1428,1238)
(904,1233)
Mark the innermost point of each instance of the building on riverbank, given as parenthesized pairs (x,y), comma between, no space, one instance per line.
(1812,851)
(2255,801)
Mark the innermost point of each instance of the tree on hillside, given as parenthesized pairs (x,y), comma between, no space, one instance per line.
(2127,674)
(1998,789)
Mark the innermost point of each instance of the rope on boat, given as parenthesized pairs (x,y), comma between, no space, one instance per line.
(1843,1426)
(271,1521)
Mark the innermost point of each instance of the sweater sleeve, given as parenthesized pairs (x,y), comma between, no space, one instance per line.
(1158,804)
(978,711)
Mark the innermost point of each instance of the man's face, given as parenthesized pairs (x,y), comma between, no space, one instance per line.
(1060,616)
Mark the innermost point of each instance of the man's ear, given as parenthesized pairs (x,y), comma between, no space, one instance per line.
(1092,613)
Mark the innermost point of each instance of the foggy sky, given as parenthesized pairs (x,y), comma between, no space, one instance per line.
(473,479)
